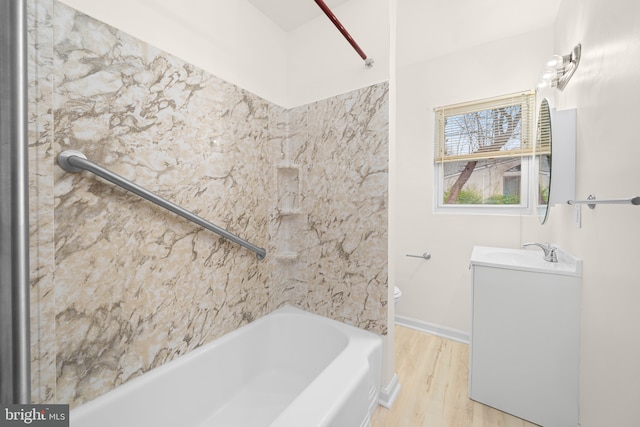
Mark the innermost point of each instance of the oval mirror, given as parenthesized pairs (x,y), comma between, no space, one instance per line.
(543,160)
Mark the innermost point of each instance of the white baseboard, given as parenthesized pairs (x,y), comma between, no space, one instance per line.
(430,328)
(389,393)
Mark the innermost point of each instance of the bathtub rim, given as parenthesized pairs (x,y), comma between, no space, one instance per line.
(111,397)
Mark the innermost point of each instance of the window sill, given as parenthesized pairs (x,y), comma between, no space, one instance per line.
(483,210)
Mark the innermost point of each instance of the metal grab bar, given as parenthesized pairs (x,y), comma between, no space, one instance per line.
(592,202)
(425,255)
(75,161)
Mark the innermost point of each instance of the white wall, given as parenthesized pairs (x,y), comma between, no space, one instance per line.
(438,291)
(321,63)
(233,40)
(605,91)
(389,357)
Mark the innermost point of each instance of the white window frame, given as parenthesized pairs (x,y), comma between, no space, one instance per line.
(527,156)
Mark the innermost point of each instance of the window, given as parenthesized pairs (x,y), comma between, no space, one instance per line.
(483,154)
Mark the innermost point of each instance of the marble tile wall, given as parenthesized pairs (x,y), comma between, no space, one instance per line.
(334,250)
(120,286)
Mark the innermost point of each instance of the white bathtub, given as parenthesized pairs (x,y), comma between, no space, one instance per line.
(289,368)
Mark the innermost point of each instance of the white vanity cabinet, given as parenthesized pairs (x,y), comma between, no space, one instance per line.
(525,337)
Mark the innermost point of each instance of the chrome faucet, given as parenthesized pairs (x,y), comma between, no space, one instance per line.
(549,251)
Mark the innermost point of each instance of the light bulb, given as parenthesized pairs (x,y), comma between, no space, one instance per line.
(549,74)
(543,84)
(555,61)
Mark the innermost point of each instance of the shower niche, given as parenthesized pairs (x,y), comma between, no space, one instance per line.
(289,215)
(286,244)
(289,224)
(288,182)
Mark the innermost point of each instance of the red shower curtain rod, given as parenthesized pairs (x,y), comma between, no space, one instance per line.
(368,62)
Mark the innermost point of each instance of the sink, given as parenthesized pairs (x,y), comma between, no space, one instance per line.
(526,260)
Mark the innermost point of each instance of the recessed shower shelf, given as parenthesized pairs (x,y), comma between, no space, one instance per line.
(286,256)
(289,212)
(288,168)
(288,184)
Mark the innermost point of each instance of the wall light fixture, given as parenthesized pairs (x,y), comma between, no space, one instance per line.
(559,69)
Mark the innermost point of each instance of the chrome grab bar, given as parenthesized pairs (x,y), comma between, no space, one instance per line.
(592,202)
(75,161)
(425,255)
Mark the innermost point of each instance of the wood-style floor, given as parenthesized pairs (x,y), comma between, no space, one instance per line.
(433,372)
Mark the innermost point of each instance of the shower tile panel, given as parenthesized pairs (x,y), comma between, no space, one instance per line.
(341,145)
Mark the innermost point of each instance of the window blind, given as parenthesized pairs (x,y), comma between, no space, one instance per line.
(486,129)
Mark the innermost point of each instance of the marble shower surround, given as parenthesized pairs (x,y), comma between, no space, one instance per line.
(338,231)
(120,286)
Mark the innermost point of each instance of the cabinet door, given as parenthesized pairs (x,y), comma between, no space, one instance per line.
(525,344)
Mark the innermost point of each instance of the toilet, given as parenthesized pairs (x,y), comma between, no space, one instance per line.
(397,293)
